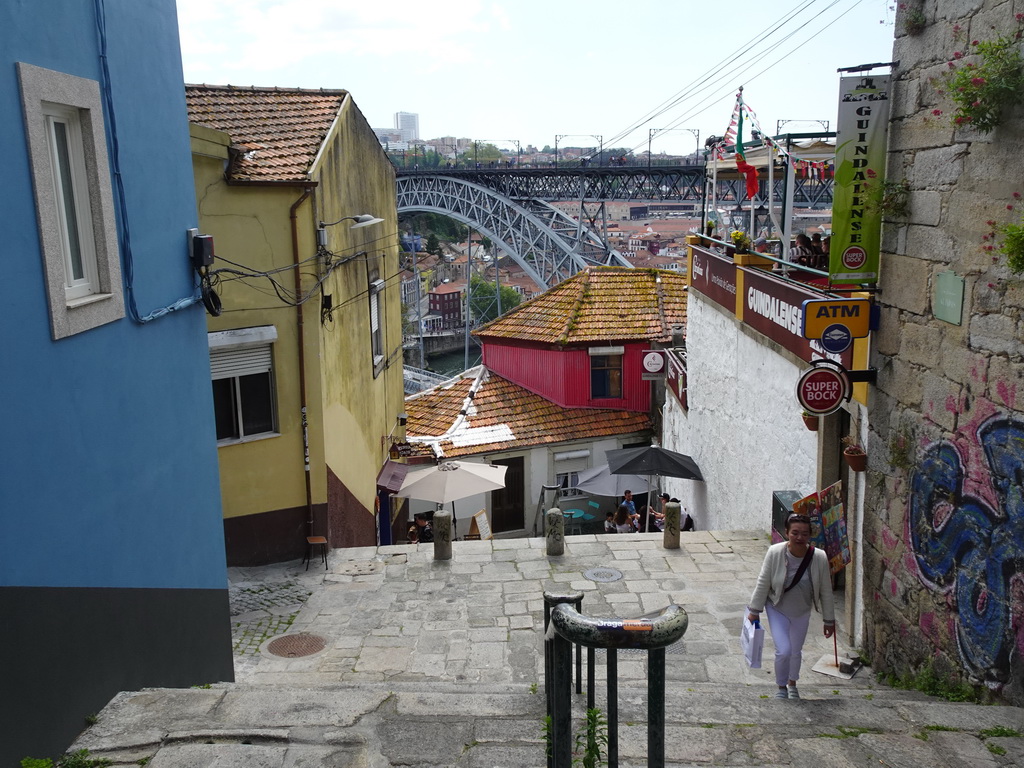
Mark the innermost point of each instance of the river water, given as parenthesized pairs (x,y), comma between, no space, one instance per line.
(452,363)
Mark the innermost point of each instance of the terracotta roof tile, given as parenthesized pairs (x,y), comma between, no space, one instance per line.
(599,304)
(277,132)
(505,416)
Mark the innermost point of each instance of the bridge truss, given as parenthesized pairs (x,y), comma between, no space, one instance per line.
(658,183)
(549,245)
(510,206)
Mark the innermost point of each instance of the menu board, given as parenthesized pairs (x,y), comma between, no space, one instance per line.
(479,526)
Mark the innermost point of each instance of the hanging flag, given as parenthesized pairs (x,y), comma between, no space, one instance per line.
(749,172)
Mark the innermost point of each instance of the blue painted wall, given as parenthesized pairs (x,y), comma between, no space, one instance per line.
(108,463)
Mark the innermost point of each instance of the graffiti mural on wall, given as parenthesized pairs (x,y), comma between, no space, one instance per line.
(967,531)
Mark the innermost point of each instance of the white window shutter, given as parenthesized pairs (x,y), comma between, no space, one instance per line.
(228,363)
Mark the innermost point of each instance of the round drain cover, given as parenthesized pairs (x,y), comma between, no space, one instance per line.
(292,646)
(603,574)
(360,569)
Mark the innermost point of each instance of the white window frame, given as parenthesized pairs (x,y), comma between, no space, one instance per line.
(376,323)
(71,194)
(566,482)
(95,298)
(242,352)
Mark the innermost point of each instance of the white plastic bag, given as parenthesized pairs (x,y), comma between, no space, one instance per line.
(752,642)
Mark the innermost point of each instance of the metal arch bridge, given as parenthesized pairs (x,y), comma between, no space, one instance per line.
(509,206)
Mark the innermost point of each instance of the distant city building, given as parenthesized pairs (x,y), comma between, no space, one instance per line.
(408,123)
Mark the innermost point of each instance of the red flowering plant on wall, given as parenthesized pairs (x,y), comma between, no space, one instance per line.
(1007,239)
(984,78)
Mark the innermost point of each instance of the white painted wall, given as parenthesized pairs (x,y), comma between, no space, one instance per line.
(743,427)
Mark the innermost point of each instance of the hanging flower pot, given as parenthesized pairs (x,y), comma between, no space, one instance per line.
(810,420)
(856,458)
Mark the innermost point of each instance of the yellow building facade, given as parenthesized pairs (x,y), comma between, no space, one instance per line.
(306,355)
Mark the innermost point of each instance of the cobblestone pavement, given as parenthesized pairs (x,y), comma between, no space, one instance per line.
(264,604)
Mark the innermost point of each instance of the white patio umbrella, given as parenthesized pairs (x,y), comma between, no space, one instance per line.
(598,481)
(451,481)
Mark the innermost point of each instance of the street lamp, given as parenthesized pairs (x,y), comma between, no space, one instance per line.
(519,147)
(780,123)
(651,133)
(362,220)
(560,136)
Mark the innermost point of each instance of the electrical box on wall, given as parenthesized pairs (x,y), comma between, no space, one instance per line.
(202,250)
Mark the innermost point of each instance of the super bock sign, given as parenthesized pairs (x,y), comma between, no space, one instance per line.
(824,388)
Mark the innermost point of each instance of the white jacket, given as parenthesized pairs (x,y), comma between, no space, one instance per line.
(771,582)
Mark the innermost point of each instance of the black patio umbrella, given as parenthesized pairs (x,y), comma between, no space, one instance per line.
(652,460)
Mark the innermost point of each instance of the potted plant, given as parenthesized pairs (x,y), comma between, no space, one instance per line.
(810,420)
(740,241)
(854,455)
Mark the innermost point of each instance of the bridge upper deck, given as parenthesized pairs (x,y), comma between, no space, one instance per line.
(614,182)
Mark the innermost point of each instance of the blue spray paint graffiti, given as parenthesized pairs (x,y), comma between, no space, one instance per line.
(965,546)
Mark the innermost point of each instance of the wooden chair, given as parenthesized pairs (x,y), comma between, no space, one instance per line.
(315,541)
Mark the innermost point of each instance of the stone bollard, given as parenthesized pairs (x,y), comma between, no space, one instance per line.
(671,538)
(555,534)
(443,535)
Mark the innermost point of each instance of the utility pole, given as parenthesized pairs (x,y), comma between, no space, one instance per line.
(469,293)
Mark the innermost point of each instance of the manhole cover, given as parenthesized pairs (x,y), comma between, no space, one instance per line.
(292,646)
(603,574)
(360,569)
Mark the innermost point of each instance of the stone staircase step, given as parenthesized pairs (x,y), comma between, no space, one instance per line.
(438,724)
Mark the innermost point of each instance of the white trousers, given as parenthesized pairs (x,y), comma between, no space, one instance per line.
(788,635)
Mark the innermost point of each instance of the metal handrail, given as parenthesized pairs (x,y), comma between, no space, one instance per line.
(568,627)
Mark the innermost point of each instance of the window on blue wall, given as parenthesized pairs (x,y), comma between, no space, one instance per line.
(67,154)
(71,194)
(605,376)
(242,369)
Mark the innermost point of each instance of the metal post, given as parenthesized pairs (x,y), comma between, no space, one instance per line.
(656,708)
(557,673)
(650,135)
(469,294)
(419,300)
(561,717)
(613,707)
(590,677)
(579,655)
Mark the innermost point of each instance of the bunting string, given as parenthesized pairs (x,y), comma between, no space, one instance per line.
(804,167)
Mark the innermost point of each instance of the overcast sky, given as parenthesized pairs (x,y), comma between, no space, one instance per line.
(530,69)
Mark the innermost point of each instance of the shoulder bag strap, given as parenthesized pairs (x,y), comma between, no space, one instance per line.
(803,567)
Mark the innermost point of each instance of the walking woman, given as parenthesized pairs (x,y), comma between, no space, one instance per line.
(794,576)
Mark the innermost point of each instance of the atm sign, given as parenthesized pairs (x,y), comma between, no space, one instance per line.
(819,314)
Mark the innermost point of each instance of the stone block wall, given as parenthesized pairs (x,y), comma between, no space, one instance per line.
(944,522)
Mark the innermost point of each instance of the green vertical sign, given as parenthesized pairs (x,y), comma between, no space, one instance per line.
(860,173)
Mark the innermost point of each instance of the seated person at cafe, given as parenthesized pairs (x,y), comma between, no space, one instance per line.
(802,253)
(424,530)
